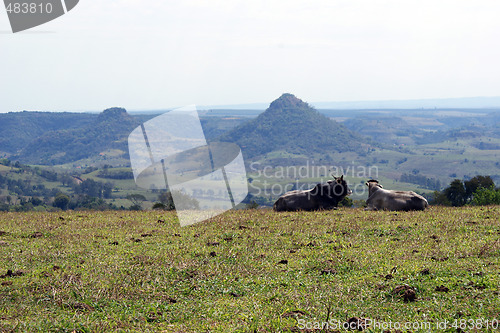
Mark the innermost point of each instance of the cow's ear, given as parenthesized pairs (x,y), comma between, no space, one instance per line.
(334,177)
(367,184)
(342,178)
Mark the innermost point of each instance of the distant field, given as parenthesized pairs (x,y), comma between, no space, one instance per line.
(248,271)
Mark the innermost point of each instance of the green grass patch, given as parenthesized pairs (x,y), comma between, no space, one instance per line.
(245,271)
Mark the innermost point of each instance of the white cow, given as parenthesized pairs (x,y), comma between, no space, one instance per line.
(381,199)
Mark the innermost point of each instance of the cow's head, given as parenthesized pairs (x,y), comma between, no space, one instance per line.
(339,187)
(333,189)
(373,185)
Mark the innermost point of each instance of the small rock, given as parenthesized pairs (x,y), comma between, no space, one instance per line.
(45,274)
(439,259)
(409,295)
(82,306)
(154,316)
(10,273)
(407,292)
(328,271)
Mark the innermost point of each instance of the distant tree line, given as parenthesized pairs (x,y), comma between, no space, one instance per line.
(118,175)
(93,188)
(166,201)
(25,193)
(64,202)
(479,190)
(430,183)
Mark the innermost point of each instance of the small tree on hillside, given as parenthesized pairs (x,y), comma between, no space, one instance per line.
(455,193)
(471,186)
(61,201)
(486,196)
(166,201)
(137,200)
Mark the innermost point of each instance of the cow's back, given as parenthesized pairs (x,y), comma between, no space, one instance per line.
(383,199)
(295,200)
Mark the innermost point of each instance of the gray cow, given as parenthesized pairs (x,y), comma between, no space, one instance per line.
(381,199)
(322,196)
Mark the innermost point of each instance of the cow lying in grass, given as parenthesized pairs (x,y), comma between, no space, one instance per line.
(381,199)
(322,196)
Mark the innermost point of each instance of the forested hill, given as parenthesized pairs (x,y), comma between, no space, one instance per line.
(18,129)
(108,130)
(291,125)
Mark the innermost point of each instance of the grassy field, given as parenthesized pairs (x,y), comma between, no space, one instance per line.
(248,271)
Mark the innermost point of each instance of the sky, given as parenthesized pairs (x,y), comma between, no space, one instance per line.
(147,55)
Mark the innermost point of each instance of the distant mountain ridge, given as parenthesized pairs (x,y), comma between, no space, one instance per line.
(430,103)
(293,126)
(109,130)
(425,103)
(289,129)
(19,129)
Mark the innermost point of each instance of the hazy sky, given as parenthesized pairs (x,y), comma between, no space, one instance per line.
(144,54)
